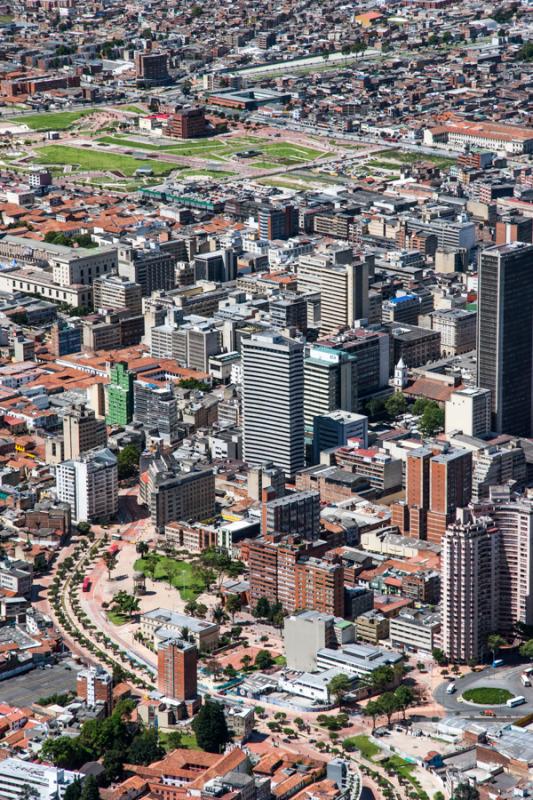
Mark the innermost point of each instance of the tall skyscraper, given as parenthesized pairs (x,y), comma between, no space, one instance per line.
(82,431)
(94,685)
(120,395)
(330,383)
(89,485)
(177,663)
(505,335)
(470,588)
(273,393)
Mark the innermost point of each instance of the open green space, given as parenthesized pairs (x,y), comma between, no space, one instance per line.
(366,747)
(5,19)
(404,770)
(98,161)
(407,157)
(487,696)
(116,618)
(53,120)
(187,740)
(377,164)
(179,574)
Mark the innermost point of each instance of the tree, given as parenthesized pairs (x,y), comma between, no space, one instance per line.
(128,461)
(339,686)
(29,793)
(388,705)
(431,420)
(404,698)
(381,678)
(465,791)
(262,609)
(190,607)
(494,643)
(110,560)
(173,740)
(125,604)
(73,790)
(419,405)
(145,748)
(233,605)
(64,752)
(439,656)
(526,649)
(113,763)
(210,727)
(263,660)
(374,407)
(219,615)
(89,789)
(246,661)
(396,404)
(526,52)
(372,709)
(142,548)
(84,527)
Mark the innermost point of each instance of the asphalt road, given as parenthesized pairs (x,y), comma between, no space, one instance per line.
(499,678)
(23,690)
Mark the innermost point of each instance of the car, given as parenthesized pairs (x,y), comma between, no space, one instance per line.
(488,712)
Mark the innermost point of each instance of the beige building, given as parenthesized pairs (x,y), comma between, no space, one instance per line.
(372,626)
(469,410)
(82,431)
(414,630)
(116,291)
(161,623)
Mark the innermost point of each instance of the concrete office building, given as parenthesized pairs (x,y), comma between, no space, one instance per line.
(319,585)
(82,431)
(152,268)
(172,493)
(304,635)
(415,630)
(343,287)
(177,664)
(89,485)
(469,411)
(470,588)
(330,383)
(151,68)
(265,477)
(156,408)
(273,390)
(115,291)
(161,624)
(334,430)
(505,335)
(356,659)
(457,328)
(297,513)
(18,777)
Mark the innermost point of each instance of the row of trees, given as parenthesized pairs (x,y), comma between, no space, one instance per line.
(271,612)
(431,414)
(389,703)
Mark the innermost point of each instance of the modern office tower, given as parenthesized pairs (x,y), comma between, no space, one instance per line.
(115,291)
(265,477)
(151,68)
(505,335)
(297,513)
(334,430)
(173,494)
(319,586)
(343,288)
(468,411)
(217,265)
(153,268)
(89,485)
(330,383)
(95,685)
(156,408)
(470,588)
(278,222)
(495,465)
(404,308)
(371,349)
(65,338)
(177,663)
(187,123)
(436,485)
(273,389)
(120,395)
(82,431)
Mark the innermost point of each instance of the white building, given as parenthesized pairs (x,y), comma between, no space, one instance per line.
(50,783)
(468,410)
(89,485)
(273,393)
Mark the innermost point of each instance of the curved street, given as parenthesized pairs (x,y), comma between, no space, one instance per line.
(498,678)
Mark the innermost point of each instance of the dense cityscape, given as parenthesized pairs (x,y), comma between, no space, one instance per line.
(266,400)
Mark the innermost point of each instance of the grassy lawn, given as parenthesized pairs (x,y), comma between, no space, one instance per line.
(5,18)
(98,161)
(52,121)
(362,743)
(406,157)
(116,618)
(382,164)
(281,661)
(187,740)
(404,769)
(487,696)
(179,574)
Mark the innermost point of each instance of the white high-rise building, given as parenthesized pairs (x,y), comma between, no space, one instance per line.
(471,555)
(89,485)
(48,783)
(468,410)
(273,394)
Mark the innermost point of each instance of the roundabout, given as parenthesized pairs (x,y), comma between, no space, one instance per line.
(489,689)
(486,696)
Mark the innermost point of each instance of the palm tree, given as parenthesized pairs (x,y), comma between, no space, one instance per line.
(219,615)
(110,560)
(494,643)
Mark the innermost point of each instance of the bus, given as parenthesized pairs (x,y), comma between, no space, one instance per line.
(515,701)
(497,663)
(524,677)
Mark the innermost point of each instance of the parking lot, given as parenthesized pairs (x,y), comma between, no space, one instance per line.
(23,690)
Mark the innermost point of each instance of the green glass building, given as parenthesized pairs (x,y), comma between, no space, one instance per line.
(120,395)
